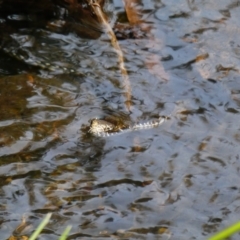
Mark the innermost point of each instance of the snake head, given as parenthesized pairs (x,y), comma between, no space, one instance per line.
(99,126)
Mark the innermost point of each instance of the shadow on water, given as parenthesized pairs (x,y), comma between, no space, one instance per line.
(176,181)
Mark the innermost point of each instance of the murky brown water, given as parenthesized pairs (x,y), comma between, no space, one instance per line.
(177,181)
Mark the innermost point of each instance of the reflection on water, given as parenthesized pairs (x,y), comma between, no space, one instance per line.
(177,181)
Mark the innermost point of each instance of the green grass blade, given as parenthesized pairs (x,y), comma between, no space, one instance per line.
(65,233)
(226,232)
(40,227)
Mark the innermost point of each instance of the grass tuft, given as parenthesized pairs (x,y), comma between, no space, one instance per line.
(227,232)
(43,224)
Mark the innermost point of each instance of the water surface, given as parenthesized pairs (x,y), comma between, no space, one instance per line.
(176,181)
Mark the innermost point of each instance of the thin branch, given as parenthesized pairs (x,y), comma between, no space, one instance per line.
(96,8)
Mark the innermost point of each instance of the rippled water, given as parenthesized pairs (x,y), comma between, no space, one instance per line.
(177,181)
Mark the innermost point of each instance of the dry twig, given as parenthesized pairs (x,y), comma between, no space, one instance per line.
(96,8)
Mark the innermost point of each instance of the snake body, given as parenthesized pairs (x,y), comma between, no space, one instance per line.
(35,51)
(103,128)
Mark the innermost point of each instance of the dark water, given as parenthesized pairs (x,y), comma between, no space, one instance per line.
(177,181)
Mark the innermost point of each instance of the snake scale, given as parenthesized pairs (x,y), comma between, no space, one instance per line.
(103,128)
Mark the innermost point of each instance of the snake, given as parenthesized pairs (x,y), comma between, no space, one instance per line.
(35,51)
(103,128)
